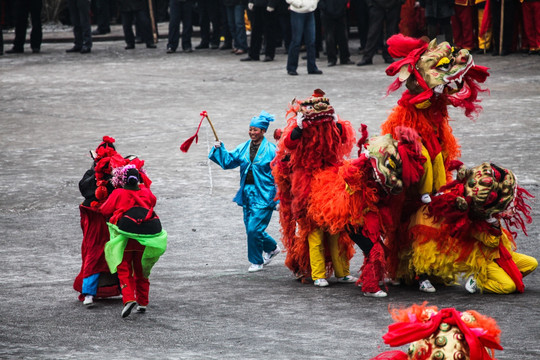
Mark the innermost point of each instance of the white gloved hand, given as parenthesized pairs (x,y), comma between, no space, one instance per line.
(491,220)
(300,120)
(217,144)
(334,115)
(269,9)
(250,6)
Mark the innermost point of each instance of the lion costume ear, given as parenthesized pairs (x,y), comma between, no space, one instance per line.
(432,44)
(404,73)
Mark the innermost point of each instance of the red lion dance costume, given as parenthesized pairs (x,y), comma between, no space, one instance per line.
(436,76)
(441,334)
(314,139)
(356,197)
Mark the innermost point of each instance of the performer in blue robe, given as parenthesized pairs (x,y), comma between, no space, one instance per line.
(257,188)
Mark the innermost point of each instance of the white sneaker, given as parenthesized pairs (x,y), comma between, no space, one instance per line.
(392,281)
(378,294)
(127,308)
(269,256)
(426,286)
(321,282)
(141,309)
(470,285)
(255,267)
(88,301)
(347,279)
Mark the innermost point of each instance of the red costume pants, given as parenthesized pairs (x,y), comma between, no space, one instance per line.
(531,23)
(463,27)
(134,285)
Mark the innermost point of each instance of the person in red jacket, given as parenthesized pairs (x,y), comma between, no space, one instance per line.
(137,239)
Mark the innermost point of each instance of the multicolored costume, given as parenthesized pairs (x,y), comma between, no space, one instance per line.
(460,234)
(257,189)
(441,334)
(355,197)
(436,76)
(314,139)
(137,239)
(94,278)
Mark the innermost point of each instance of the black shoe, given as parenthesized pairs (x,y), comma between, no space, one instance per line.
(315,72)
(347,62)
(130,47)
(35,50)
(188,50)
(364,62)
(214,46)
(225,47)
(15,51)
(495,53)
(127,308)
(86,50)
(388,61)
(151,46)
(505,52)
(138,40)
(74,49)
(292,73)
(249,58)
(268,58)
(97,32)
(201,46)
(331,63)
(171,51)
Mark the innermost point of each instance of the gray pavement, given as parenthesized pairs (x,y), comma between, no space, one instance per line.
(54,107)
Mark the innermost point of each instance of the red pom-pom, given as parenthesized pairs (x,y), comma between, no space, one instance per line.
(101,193)
(108,140)
(277,134)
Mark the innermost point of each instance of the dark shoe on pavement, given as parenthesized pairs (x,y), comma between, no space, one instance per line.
(347,62)
(249,58)
(171,51)
(225,47)
(292,73)
(86,50)
(188,50)
(201,46)
(214,46)
(331,63)
(130,47)
(15,51)
(127,308)
(364,62)
(151,46)
(268,58)
(315,72)
(74,49)
(35,50)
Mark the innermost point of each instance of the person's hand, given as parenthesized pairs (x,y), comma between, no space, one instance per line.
(269,9)
(334,115)
(300,120)
(217,144)
(250,6)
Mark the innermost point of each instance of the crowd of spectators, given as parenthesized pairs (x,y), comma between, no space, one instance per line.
(258,27)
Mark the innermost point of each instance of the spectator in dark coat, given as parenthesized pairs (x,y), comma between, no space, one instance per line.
(23,8)
(438,14)
(263,23)
(334,22)
(180,11)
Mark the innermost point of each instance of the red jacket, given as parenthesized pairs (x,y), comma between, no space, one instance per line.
(121,200)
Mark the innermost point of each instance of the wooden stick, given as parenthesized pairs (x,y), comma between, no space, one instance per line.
(152,21)
(212,126)
(501,29)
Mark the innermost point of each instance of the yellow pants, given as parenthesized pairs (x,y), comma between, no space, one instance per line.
(316,255)
(484,42)
(499,282)
(434,173)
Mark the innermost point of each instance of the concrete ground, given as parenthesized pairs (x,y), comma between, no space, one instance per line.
(55,107)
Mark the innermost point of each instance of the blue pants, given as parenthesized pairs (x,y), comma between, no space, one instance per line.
(256,221)
(180,11)
(237,27)
(90,285)
(302,25)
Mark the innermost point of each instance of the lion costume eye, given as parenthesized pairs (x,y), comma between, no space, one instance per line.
(444,64)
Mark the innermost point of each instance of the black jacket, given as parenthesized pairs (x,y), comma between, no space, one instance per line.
(333,8)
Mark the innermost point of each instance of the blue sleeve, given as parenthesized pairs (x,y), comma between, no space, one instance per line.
(224,158)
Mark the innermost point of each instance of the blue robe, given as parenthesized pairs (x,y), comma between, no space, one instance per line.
(257,200)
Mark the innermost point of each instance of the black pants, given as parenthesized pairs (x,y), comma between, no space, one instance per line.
(508,26)
(22,9)
(144,26)
(209,14)
(336,38)
(381,20)
(263,24)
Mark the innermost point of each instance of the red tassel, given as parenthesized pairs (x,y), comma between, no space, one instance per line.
(186,144)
